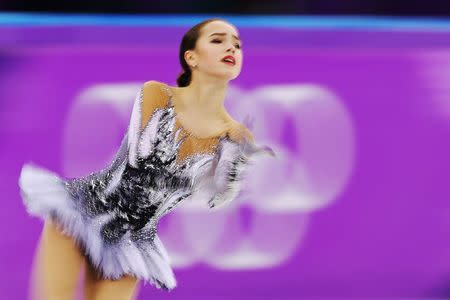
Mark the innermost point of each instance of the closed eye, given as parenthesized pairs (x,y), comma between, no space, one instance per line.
(219,41)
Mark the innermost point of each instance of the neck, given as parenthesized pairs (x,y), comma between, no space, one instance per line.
(204,96)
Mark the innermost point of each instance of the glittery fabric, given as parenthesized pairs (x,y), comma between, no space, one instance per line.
(113,213)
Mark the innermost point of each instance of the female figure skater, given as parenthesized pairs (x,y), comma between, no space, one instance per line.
(108,220)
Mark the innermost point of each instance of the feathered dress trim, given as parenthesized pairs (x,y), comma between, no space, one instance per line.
(113,213)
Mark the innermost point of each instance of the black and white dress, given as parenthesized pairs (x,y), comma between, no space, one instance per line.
(113,214)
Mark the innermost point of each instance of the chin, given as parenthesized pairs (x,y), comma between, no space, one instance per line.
(231,75)
(227,75)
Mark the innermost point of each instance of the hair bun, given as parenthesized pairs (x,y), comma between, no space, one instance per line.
(184,78)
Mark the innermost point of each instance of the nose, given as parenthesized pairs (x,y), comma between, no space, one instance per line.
(232,48)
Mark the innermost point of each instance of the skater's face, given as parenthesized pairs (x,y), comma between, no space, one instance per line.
(217,39)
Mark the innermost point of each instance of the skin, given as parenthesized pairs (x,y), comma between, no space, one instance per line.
(200,106)
(200,109)
(59,263)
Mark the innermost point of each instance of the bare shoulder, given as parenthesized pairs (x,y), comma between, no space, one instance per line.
(154,84)
(154,95)
(155,92)
(151,81)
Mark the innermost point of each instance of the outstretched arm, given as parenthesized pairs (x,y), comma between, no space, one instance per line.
(222,181)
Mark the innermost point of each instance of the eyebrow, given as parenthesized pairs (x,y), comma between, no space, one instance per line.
(223,33)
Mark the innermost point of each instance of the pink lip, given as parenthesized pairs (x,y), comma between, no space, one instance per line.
(229,63)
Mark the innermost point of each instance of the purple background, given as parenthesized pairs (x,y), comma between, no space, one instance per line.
(385,234)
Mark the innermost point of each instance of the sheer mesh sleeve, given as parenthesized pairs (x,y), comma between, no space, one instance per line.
(234,157)
(149,98)
(222,182)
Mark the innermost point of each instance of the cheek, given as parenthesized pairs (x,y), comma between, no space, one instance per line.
(212,57)
(239,58)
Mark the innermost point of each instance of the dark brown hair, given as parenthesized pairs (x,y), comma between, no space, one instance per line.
(188,42)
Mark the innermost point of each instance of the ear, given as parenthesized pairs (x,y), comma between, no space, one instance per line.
(189,57)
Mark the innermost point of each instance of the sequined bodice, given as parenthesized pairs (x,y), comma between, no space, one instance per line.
(156,167)
(134,193)
(114,212)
